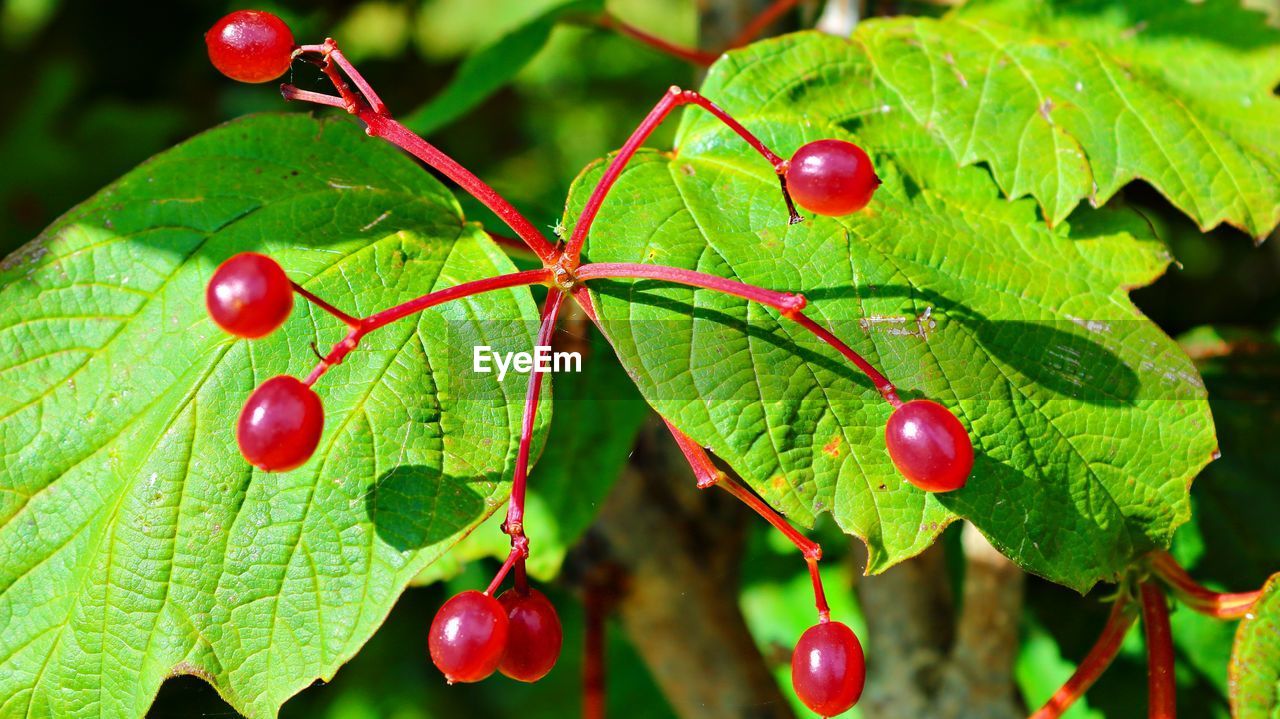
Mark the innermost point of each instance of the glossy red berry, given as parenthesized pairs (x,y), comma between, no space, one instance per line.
(249,295)
(828,669)
(534,637)
(250,46)
(929,446)
(468,637)
(831,177)
(280,424)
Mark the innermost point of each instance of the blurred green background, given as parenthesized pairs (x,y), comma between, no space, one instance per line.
(94,88)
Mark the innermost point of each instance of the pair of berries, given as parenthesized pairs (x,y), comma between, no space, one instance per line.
(250,296)
(517,634)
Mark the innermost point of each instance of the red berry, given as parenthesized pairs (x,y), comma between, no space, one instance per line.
(250,46)
(534,639)
(249,295)
(280,424)
(831,177)
(929,446)
(468,637)
(827,668)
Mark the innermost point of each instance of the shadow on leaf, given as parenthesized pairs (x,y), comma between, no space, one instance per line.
(1056,355)
(414,506)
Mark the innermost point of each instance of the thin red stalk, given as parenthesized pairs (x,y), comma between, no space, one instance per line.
(289,92)
(819,596)
(593,675)
(1161,689)
(784,302)
(365,89)
(519,481)
(1094,664)
(362,327)
(1222,605)
(707,475)
(674,98)
(790,305)
(466,289)
(343,316)
(380,124)
(514,558)
(400,136)
(882,383)
(762,21)
(522,578)
(690,55)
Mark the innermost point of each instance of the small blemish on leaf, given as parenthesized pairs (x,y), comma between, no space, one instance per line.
(1046,107)
(832,448)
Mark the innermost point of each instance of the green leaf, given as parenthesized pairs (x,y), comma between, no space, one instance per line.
(488,69)
(138,543)
(1088,421)
(1255,662)
(1072,99)
(598,415)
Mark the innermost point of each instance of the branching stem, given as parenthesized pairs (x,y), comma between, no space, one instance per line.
(362,327)
(674,98)
(708,475)
(378,122)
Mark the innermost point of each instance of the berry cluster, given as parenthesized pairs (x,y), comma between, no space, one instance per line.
(519,633)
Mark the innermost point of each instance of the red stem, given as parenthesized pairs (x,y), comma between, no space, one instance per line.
(1094,664)
(515,558)
(674,98)
(289,92)
(784,302)
(362,327)
(690,55)
(708,475)
(334,54)
(514,525)
(762,21)
(1161,689)
(700,57)
(593,675)
(1221,605)
(466,289)
(378,123)
(343,316)
(790,305)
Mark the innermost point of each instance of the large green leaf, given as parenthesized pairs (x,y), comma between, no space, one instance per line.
(1073,99)
(136,542)
(1089,422)
(1255,663)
